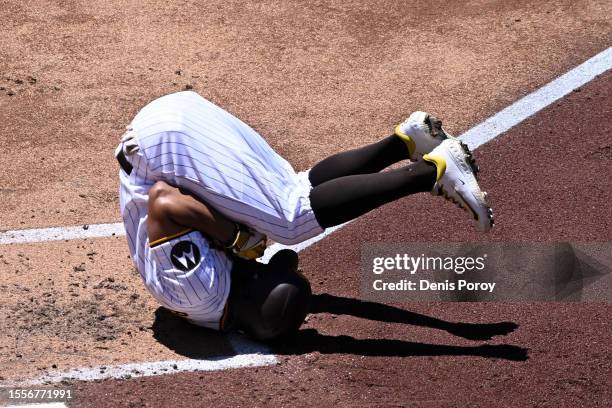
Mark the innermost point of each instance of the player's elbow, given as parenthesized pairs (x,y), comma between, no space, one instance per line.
(159,190)
(160,201)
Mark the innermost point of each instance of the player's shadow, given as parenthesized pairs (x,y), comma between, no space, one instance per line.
(187,339)
(309,340)
(326,303)
(199,343)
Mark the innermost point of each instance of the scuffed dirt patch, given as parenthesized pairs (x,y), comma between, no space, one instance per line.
(74,304)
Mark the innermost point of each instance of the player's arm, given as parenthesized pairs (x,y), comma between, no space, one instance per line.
(172,212)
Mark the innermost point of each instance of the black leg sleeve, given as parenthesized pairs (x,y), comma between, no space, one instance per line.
(345,198)
(367,159)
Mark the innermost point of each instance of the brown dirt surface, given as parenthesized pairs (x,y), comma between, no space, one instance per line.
(351,353)
(74,313)
(314,78)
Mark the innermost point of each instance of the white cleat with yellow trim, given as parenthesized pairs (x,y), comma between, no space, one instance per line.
(456,180)
(422,132)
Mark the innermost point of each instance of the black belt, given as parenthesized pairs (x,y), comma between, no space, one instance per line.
(124,163)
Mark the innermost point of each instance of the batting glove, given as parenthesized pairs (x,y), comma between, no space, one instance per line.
(248,243)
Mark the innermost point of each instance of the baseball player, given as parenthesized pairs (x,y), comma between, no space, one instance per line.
(201,192)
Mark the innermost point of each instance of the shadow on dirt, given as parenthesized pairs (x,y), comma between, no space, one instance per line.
(198,343)
(309,340)
(325,303)
(187,339)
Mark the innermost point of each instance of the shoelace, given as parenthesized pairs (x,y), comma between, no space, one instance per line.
(470,159)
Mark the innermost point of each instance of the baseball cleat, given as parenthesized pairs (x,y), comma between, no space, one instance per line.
(422,133)
(456,180)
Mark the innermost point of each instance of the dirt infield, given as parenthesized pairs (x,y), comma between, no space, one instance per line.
(351,353)
(314,78)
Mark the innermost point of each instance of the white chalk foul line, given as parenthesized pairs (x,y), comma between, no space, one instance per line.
(248,354)
(61,233)
(251,354)
(147,369)
(538,100)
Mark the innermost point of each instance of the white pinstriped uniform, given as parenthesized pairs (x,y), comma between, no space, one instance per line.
(189,142)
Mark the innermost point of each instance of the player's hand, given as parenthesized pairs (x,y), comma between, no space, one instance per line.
(248,243)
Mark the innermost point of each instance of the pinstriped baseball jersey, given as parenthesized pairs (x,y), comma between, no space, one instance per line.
(189,142)
(192,276)
(184,274)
